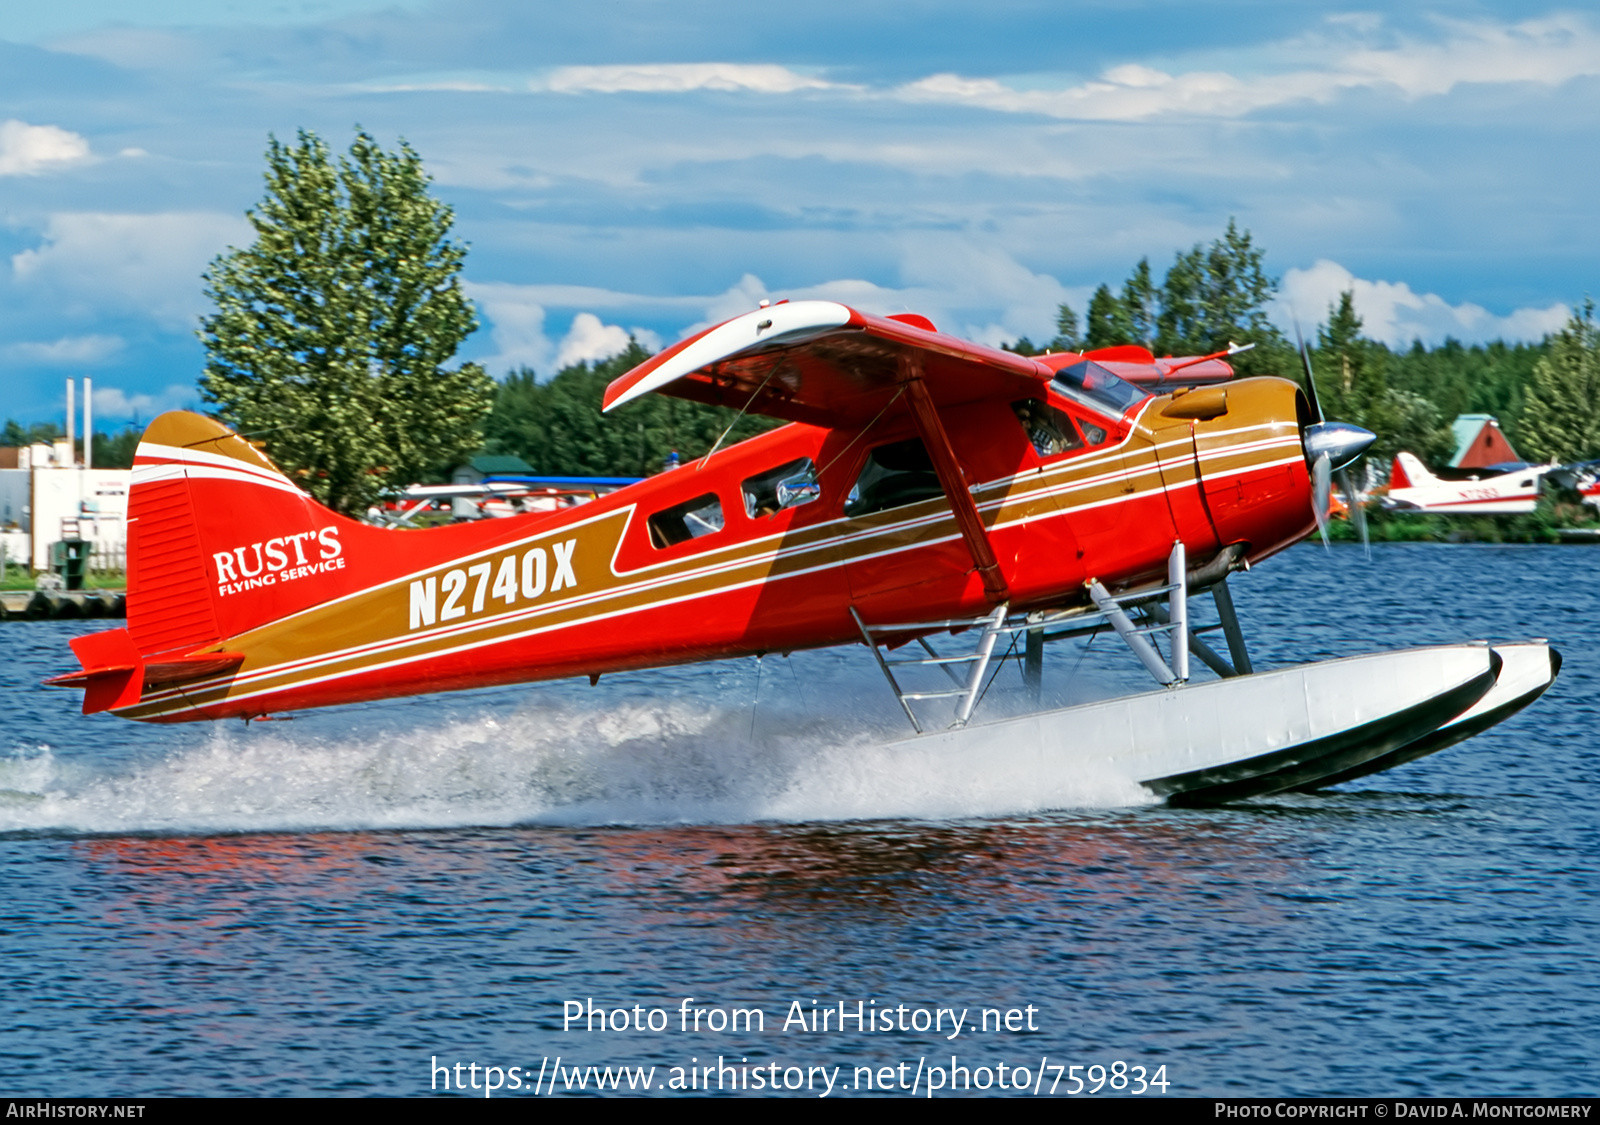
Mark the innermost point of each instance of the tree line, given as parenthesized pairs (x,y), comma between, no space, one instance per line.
(1546,395)
(557,428)
(111,451)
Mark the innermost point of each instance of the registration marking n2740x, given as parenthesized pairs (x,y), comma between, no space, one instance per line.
(524,578)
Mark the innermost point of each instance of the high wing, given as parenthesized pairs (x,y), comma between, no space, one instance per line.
(827,364)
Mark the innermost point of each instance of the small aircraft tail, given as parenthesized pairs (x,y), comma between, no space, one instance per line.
(1408,471)
(219,542)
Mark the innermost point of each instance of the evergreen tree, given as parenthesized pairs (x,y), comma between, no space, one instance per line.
(16,434)
(557,426)
(1107,321)
(1349,368)
(1140,305)
(1217,295)
(1069,337)
(1480,379)
(1352,387)
(115,451)
(333,329)
(1562,415)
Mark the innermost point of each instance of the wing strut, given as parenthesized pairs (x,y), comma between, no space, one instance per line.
(931,430)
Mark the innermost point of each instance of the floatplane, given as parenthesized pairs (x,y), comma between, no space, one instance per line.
(927,493)
(1497,490)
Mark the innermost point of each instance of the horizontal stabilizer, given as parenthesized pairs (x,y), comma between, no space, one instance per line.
(114,674)
(113,671)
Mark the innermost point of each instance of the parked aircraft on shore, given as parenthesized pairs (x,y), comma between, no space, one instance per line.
(1496,490)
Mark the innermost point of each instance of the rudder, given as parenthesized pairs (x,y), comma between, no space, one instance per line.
(216,531)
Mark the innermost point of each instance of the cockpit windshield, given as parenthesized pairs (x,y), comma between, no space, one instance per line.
(1088,380)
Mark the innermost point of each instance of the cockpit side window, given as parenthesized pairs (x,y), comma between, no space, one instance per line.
(689,520)
(1049,430)
(1092,433)
(896,474)
(787,486)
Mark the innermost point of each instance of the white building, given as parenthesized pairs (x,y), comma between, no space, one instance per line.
(47,499)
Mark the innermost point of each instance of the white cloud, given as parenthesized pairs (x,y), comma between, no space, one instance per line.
(137,48)
(1547,52)
(516,315)
(1394,313)
(589,339)
(966,288)
(677,78)
(27,150)
(67,350)
(150,263)
(112,403)
(1123,94)
(516,325)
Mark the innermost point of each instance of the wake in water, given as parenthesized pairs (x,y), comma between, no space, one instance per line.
(637,762)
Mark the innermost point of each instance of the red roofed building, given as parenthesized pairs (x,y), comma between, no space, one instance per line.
(1479,442)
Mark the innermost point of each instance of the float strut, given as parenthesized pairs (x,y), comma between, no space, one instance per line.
(1178,609)
(1230,627)
(1131,635)
(1033,662)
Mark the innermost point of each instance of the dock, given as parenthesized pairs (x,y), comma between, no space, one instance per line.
(42,605)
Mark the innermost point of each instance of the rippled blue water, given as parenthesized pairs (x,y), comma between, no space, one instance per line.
(328,905)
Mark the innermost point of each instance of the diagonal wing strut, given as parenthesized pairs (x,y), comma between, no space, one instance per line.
(931,430)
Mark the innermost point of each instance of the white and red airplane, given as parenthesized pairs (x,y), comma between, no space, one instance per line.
(925,487)
(1497,490)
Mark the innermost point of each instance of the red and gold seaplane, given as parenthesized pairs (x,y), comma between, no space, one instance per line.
(928,491)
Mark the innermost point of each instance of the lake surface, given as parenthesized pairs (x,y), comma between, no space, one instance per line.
(349,901)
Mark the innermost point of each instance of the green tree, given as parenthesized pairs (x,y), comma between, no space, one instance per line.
(1478,379)
(1140,305)
(1069,337)
(1023,346)
(1349,367)
(16,434)
(1352,386)
(557,426)
(1216,295)
(115,451)
(1562,416)
(333,329)
(1107,321)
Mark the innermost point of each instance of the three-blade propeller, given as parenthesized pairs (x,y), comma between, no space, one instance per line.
(1332,446)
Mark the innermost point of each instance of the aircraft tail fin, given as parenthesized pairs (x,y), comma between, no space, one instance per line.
(1408,471)
(219,542)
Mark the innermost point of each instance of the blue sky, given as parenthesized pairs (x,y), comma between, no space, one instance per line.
(652,167)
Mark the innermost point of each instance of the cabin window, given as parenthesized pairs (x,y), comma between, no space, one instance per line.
(1092,433)
(896,474)
(1093,383)
(689,520)
(787,486)
(1049,431)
